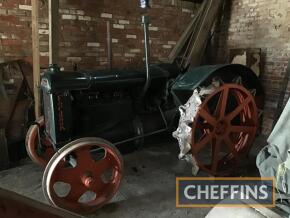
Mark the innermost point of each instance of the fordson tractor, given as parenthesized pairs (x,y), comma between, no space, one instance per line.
(88,115)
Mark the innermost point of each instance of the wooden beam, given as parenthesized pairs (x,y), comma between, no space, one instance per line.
(203,32)
(35,54)
(15,205)
(185,37)
(53,15)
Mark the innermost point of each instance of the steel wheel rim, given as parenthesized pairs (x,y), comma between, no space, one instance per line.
(79,184)
(221,130)
(32,145)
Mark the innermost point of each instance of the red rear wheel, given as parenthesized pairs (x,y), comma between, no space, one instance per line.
(224,129)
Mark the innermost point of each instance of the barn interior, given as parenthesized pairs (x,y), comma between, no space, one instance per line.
(123,108)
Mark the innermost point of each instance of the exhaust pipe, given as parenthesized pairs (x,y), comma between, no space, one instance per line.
(145,21)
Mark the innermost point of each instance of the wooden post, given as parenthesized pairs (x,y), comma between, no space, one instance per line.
(35,54)
(53,15)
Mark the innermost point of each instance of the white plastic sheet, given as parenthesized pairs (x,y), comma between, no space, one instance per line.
(183,132)
(188,113)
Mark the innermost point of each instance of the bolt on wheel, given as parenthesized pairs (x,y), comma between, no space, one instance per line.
(83,175)
(224,129)
(38,146)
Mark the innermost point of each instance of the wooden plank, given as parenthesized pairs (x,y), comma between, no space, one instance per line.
(53,17)
(15,205)
(35,54)
(185,37)
(201,38)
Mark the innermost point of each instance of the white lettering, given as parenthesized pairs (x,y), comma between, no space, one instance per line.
(234,191)
(263,190)
(186,194)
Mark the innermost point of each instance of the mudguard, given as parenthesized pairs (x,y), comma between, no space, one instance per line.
(203,75)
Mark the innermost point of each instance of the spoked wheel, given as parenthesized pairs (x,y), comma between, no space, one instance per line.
(38,148)
(224,129)
(83,175)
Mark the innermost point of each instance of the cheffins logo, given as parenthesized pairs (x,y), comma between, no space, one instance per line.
(226,192)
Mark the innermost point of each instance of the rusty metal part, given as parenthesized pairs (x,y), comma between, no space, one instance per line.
(224,129)
(38,147)
(17,126)
(89,170)
(11,79)
(16,99)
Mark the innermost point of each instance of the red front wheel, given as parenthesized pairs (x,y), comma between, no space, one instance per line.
(83,175)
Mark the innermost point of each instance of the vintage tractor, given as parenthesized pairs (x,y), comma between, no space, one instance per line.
(88,113)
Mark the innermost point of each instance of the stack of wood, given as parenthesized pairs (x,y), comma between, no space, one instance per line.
(191,46)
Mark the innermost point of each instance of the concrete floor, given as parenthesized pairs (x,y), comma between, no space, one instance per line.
(147,189)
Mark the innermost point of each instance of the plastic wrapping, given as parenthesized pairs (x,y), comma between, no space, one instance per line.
(183,132)
(188,113)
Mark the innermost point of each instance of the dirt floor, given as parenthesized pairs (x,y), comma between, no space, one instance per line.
(147,188)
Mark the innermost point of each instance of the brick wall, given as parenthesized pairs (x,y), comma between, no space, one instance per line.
(259,24)
(83,31)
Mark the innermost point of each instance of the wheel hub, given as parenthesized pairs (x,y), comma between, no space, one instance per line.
(221,127)
(87,180)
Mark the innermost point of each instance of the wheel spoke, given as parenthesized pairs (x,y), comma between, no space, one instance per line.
(239,109)
(224,96)
(216,143)
(244,129)
(231,147)
(84,157)
(209,118)
(75,193)
(103,165)
(98,186)
(198,146)
(218,106)
(67,175)
(203,126)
